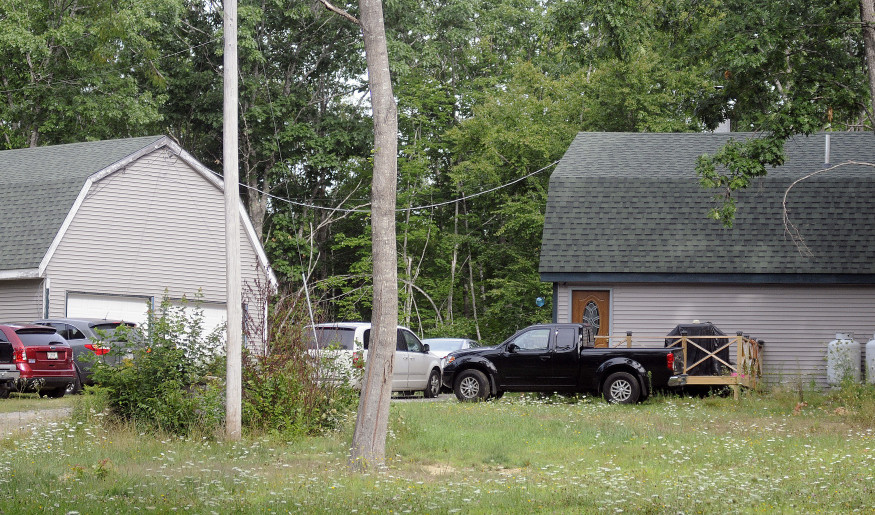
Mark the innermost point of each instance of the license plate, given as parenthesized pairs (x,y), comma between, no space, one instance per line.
(51,355)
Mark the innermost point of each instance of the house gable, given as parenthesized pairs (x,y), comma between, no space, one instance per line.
(127,221)
(40,187)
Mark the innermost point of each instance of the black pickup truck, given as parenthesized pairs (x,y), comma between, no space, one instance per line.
(561,358)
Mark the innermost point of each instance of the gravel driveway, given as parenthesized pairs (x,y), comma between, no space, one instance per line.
(23,420)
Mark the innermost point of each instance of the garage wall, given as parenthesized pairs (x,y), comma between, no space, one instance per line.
(796,322)
(155,227)
(21,300)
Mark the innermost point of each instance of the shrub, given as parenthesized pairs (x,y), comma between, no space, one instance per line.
(170,377)
(282,392)
(854,399)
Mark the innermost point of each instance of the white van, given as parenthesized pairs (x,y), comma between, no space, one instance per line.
(415,368)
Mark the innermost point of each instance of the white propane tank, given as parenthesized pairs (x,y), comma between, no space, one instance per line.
(870,361)
(843,357)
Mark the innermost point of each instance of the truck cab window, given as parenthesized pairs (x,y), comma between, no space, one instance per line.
(566,338)
(537,339)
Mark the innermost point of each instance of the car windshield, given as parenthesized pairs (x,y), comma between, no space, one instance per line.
(447,344)
(34,338)
(330,337)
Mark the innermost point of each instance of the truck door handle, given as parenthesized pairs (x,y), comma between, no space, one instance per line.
(545,358)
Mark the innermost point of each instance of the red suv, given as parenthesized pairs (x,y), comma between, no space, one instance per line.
(41,355)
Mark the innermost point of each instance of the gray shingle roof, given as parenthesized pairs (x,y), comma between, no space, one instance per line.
(630,204)
(38,187)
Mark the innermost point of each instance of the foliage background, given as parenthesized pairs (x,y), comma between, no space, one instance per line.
(489,91)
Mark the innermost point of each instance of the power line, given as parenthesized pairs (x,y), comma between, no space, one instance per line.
(415,208)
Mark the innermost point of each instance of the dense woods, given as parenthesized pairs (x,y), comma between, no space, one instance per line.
(489,94)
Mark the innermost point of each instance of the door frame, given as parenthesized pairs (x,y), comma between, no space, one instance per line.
(604,331)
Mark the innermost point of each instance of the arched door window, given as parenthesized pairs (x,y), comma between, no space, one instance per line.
(591,316)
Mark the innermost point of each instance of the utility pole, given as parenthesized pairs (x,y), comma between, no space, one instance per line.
(234,340)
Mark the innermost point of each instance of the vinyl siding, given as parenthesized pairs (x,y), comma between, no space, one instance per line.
(21,300)
(156,224)
(796,322)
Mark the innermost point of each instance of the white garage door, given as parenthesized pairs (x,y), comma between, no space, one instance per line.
(213,313)
(87,305)
(135,309)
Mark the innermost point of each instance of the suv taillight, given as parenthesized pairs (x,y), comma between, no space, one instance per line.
(358,360)
(97,349)
(19,356)
(669,361)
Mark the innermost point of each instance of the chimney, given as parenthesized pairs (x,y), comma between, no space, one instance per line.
(826,150)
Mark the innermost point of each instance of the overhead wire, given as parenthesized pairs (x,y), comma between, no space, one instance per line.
(397,210)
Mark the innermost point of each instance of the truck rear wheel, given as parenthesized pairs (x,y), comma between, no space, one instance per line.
(621,388)
(471,386)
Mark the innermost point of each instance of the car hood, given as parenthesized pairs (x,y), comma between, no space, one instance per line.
(477,351)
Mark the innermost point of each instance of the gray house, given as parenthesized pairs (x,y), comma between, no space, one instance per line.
(627,244)
(102,229)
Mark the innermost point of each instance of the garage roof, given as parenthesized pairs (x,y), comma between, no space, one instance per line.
(39,188)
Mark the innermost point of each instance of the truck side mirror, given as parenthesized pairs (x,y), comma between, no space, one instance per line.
(425,348)
(512,347)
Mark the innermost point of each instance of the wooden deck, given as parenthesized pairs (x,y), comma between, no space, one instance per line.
(744,371)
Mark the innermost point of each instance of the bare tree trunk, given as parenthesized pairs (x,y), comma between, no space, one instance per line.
(256,204)
(369,436)
(453,261)
(408,271)
(471,280)
(473,295)
(867,17)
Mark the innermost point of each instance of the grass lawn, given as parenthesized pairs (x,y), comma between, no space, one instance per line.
(762,454)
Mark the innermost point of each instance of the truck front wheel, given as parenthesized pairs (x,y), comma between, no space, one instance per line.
(621,388)
(471,386)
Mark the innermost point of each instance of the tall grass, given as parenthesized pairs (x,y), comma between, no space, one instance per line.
(761,454)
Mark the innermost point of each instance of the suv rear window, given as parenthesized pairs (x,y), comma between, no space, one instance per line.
(334,337)
(107,330)
(39,337)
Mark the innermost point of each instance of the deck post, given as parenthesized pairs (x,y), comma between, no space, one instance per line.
(684,347)
(629,339)
(739,360)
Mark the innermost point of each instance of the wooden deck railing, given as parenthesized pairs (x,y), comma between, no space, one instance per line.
(744,371)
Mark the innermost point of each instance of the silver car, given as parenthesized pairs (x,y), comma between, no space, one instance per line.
(440,347)
(89,338)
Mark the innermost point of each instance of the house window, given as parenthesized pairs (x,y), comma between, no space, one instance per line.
(591,316)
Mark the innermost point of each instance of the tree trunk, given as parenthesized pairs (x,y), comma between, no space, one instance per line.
(369,436)
(257,205)
(453,261)
(867,17)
